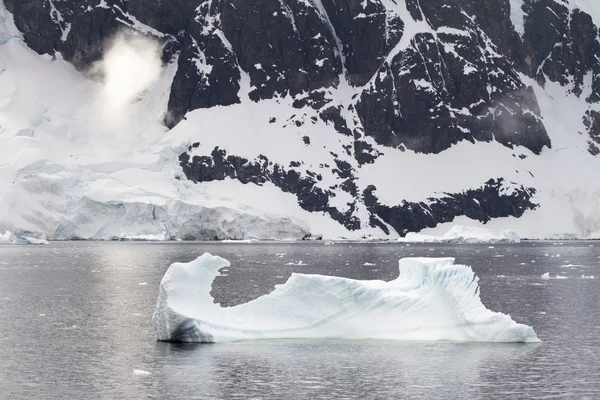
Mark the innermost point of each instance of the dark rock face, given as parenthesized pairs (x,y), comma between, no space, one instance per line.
(563,46)
(291,179)
(424,92)
(366,35)
(481,204)
(208,73)
(411,75)
(453,85)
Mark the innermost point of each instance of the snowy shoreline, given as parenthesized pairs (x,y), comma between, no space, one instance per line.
(308,241)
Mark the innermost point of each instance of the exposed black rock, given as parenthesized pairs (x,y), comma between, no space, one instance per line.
(592,122)
(481,204)
(208,73)
(454,86)
(311,197)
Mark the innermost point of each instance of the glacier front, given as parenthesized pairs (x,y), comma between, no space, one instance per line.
(432,299)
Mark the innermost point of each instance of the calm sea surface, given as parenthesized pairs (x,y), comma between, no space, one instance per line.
(75,322)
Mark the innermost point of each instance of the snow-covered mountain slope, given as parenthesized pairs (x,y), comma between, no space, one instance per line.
(290,118)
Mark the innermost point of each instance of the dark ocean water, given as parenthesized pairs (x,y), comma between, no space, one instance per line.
(75,322)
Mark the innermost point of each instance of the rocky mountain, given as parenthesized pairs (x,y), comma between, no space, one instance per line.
(342,118)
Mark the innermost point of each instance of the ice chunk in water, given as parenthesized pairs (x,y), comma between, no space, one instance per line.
(432,299)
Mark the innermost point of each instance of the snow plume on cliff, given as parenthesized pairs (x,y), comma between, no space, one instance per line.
(131,64)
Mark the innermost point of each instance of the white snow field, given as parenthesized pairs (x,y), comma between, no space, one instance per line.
(90,160)
(432,299)
(464,234)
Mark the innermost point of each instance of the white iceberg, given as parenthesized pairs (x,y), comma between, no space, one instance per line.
(9,237)
(465,234)
(162,237)
(547,276)
(31,240)
(432,299)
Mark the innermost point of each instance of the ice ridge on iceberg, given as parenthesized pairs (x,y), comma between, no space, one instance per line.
(432,299)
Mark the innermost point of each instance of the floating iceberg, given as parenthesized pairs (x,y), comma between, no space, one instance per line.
(432,299)
(162,237)
(465,234)
(547,276)
(9,237)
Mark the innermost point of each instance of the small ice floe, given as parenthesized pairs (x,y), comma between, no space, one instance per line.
(142,284)
(42,315)
(141,372)
(490,247)
(574,266)
(498,255)
(279,255)
(587,277)
(501,276)
(329,243)
(547,276)
(298,263)
(369,264)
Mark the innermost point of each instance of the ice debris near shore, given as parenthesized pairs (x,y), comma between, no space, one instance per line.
(9,237)
(432,299)
(465,234)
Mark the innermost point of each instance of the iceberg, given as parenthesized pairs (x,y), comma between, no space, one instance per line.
(9,237)
(465,234)
(432,299)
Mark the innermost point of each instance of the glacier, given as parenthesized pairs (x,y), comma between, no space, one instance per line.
(465,234)
(432,299)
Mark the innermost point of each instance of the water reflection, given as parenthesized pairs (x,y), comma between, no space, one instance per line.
(337,369)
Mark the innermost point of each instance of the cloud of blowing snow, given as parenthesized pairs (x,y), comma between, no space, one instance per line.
(131,64)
